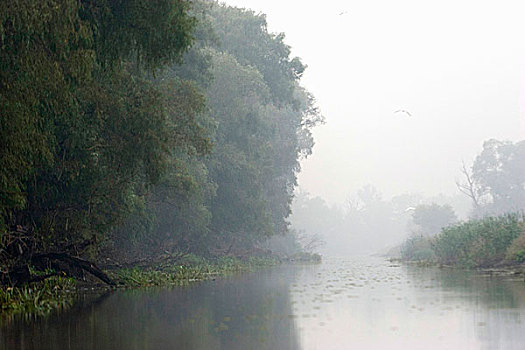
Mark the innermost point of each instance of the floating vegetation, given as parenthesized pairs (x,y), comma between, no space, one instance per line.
(190,269)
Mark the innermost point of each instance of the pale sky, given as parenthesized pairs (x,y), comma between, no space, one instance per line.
(458,66)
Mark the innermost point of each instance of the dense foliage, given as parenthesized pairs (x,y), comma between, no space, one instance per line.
(141,127)
(483,242)
(480,242)
(239,195)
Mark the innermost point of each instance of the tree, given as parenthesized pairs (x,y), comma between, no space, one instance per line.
(236,95)
(264,119)
(430,219)
(244,34)
(117,132)
(239,194)
(470,188)
(84,129)
(500,172)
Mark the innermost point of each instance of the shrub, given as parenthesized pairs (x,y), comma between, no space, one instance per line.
(477,243)
(516,250)
(417,249)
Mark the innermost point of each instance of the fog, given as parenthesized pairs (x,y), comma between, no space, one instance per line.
(410,90)
(457,67)
(160,187)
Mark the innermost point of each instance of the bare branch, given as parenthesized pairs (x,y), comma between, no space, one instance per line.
(470,187)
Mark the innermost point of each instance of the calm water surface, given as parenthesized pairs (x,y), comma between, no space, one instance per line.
(351,303)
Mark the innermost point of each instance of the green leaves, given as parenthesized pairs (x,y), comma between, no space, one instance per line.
(44,52)
(244,34)
(150,33)
(263,118)
(259,119)
(478,243)
(104,132)
(82,125)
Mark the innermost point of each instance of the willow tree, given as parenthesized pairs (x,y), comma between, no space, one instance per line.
(84,130)
(264,120)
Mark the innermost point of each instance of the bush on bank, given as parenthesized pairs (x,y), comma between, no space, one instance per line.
(516,251)
(478,243)
(417,249)
(475,243)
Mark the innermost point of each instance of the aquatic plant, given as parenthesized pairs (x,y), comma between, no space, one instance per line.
(190,269)
(37,299)
(175,275)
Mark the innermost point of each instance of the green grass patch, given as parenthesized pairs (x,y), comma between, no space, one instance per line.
(38,299)
(57,293)
(191,268)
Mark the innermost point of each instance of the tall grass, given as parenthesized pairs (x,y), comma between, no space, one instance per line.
(38,299)
(58,292)
(477,243)
(417,249)
(191,268)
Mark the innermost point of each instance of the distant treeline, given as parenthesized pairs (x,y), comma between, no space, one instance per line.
(491,191)
(133,128)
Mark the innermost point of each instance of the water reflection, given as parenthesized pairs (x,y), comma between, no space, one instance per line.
(369,303)
(365,303)
(244,312)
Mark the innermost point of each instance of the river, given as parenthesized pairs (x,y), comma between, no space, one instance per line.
(343,303)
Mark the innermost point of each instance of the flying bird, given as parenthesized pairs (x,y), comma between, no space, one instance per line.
(403,111)
(343,13)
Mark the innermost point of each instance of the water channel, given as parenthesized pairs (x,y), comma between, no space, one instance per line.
(343,303)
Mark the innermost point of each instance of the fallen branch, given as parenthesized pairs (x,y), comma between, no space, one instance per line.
(71,261)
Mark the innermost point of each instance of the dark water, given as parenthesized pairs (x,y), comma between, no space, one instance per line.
(353,303)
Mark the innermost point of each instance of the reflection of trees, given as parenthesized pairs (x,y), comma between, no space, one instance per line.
(23,331)
(232,313)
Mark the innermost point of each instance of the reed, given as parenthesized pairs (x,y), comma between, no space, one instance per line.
(478,243)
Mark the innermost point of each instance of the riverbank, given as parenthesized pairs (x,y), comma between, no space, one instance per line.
(59,292)
(490,243)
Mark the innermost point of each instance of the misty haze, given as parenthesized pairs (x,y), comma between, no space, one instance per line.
(255,174)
